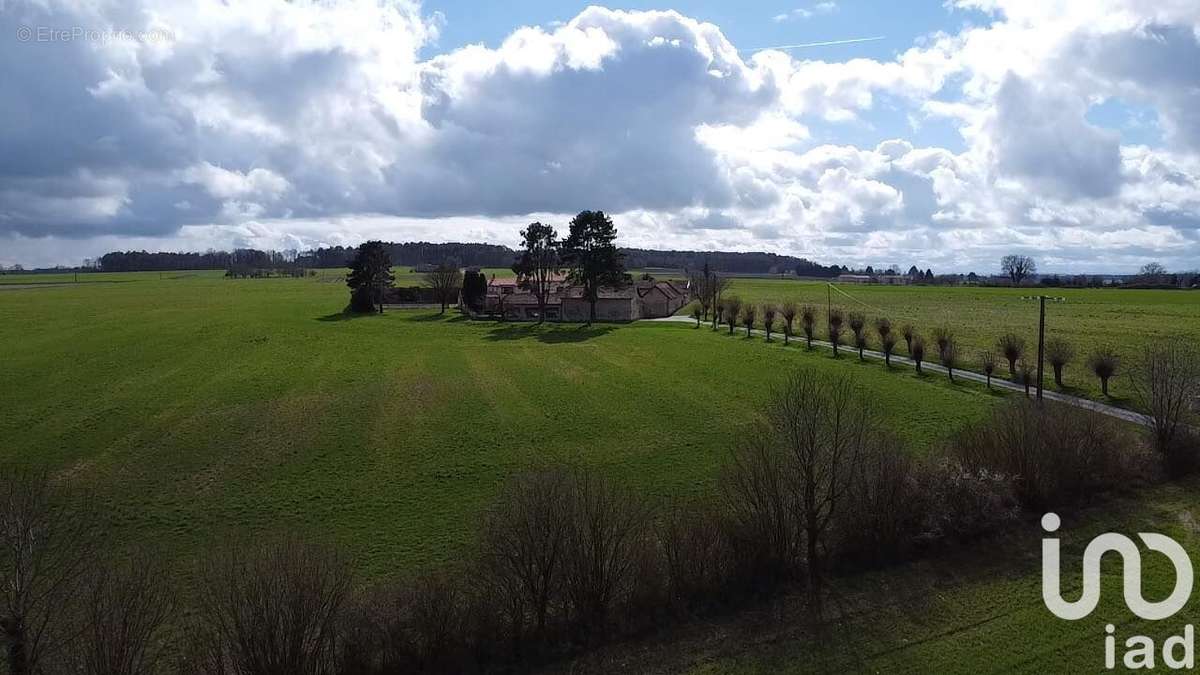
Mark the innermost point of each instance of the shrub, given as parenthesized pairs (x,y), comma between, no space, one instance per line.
(964,504)
(1056,454)
(607,530)
(881,516)
(1167,386)
(125,608)
(1182,455)
(759,498)
(1059,353)
(1103,362)
(1012,347)
(521,547)
(696,552)
(801,461)
(271,608)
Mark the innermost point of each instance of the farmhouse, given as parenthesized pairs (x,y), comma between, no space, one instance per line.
(644,299)
(853,279)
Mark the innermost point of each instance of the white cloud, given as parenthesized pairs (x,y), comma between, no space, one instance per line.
(293,124)
(802,13)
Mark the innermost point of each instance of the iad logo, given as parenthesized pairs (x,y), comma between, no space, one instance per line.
(1177,651)
(1132,558)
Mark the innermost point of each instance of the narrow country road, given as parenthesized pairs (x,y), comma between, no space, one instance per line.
(997,382)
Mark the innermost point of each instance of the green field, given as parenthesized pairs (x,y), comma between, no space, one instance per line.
(199,407)
(1122,318)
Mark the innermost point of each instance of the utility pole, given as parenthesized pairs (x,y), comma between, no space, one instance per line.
(1041,364)
(1041,342)
(828,301)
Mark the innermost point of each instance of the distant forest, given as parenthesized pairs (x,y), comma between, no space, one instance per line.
(467,255)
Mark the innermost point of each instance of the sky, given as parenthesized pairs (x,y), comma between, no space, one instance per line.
(941,134)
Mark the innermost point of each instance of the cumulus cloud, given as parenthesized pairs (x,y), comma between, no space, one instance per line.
(801,13)
(294,124)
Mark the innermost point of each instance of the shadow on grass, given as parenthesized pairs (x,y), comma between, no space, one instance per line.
(435,316)
(548,333)
(346,315)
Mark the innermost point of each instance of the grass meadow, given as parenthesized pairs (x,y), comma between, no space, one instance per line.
(200,408)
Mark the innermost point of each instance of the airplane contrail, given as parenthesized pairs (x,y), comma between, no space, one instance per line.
(828,43)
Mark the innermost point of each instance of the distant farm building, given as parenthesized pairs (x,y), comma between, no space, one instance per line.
(645,299)
(885,279)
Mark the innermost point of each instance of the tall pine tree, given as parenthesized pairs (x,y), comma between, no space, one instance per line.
(591,255)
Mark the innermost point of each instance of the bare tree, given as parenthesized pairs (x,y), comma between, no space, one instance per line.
(1059,353)
(1103,362)
(887,343)
(270,609)
(733,307)
(695,549)
(836,320)
(909,332)
(1025,375)
(883,328)
(748,317)
(768,312)
(718,312)
(808,322)
(1167,386)
(538,264)
(524,536)
(716,287)
(446,281)
(916,351)
(697,313)
(788,311)
(47,541)
(823,423)
(987,361)
(858,325)
(125,608)
(1018,268)
(606,527)
(947,351)
(1012,346)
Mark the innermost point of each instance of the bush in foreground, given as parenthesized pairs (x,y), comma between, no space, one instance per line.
(1056,454)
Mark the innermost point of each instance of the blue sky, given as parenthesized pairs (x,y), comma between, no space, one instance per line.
(1069,131)
(748,25)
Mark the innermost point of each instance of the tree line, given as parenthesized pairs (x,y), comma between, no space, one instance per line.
(859,332)
(566,558)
